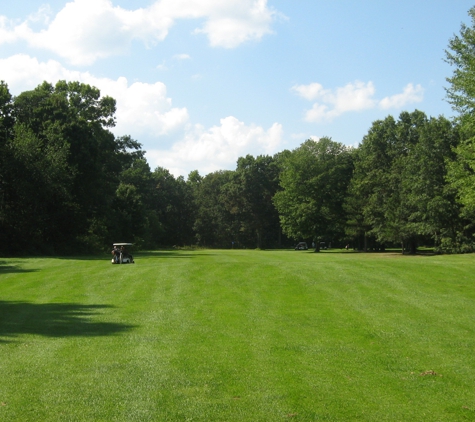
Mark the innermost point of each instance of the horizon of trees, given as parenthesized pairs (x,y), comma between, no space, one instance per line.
(68,185)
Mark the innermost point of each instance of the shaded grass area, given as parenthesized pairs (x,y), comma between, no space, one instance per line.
(238,336)
(53,320)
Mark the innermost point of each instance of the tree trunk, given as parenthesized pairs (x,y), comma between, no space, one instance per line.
(259,239)
(412,247)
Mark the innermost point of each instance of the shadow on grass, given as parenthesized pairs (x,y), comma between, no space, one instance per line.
(138,254)
(12,268)
(55,320)
(387,252)
(172,254)
(103,257)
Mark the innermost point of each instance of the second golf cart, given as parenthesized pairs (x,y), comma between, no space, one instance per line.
(120,254)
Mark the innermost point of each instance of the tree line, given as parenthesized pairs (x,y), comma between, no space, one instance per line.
(68,185)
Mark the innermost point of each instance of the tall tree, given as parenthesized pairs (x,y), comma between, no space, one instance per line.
(71,160)
(430,202)
(398,192)
(133,217)
(460,55)
(370,185)
(461,95)
(314,182)
(214,225)
(42,200)
(173,205)
(8,166)
(249,196)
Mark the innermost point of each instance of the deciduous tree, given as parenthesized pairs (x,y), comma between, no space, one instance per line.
(314,182)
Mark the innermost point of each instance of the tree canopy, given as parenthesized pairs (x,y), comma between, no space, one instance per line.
(314,182)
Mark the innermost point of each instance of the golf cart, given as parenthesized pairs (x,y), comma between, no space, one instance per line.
(120,254)
(301,246)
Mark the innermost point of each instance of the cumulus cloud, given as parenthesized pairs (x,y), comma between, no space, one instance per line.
(9,32)
(236,22)
(87,30)
(310,92)
(411,94)
(353,97)
(141,107)
(218,147)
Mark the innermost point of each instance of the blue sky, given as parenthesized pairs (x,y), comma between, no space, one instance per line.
(202,82)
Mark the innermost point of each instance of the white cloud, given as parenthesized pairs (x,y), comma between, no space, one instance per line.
(218,147)
(87,30)
(23,72)
(9,32)
(319,113)
(352,97)
(310,92)
(411,94)
(141,108)
(237,22)
(181,57)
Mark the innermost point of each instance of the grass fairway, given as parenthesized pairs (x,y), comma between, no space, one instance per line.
(238,336)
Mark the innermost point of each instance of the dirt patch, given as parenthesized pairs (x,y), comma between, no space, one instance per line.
(423,374)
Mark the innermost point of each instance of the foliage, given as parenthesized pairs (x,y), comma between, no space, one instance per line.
(248,196)
(314,182)
(461,94)
(59,183)
(173,206)
(214,224)
(398,191)
(7,165)
(460,55)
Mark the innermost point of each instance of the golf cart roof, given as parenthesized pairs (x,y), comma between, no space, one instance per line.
(122,244)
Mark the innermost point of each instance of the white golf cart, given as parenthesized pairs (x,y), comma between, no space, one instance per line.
(120,255)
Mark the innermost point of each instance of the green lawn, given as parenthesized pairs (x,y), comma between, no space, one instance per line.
(213,335)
